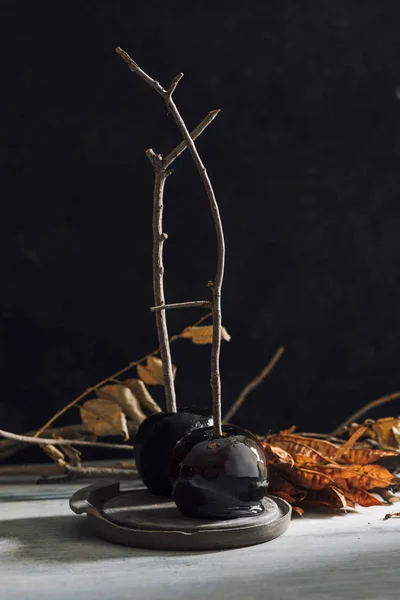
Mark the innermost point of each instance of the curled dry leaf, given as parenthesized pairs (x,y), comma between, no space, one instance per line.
(55,454)
(104,417)
(386,431)
(203,335)
(123,396)
(152,373)
(140,391)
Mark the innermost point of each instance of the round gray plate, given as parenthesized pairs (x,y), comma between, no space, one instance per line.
(138,518)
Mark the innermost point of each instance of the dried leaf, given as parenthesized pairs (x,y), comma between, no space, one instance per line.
(152,373)
(387,431)
(104,417)
(364,456)
(369,477)
(296,444)
(363,498)
(203,335)
(350,442)
(298,510)
(276,454)
(140,391)
(279,486)
(54,453)
(124,397)
(70,452)
(307,478)
(329,498)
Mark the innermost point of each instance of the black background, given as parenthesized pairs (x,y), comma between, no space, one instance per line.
(304,158)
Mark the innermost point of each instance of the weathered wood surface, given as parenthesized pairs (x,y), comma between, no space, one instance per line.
(47,552)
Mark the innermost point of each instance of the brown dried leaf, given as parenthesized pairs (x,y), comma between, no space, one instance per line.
(308,479)
(364,456)
(279,486)
(140,391)
(54,453)
(152,373)
(203,335)
(276,454)
(104,417)
(367,477)
(362,497)
(124,397)
(298,510)
(70,452)
(387,431)
(329,498)
(297,444)
(350,442)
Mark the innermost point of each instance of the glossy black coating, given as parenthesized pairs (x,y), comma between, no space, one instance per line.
(155,441)
(222,478)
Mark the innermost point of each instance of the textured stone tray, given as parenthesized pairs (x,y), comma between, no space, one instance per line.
(137,518)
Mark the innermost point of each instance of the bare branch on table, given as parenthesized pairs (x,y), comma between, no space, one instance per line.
(253,384)
(61,442)
(112,470)
(217,284)
(361,412)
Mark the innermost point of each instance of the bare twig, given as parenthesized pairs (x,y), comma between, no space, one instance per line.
(217,284)
(159,237)
(361,412)
(53,469)
(253,384)
(112,377)
(82,471)
(193,304)
(169,159)
(61,442)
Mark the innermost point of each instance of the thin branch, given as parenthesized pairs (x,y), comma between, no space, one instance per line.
(10,447)
(160,177)
(169,159)
(61,442)
(53,469)
(217,284)
(253,384)
(114,376)
(174,84)
(361,412)
(82,471)
(194,304)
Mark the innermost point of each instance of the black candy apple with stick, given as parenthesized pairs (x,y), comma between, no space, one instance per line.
(212,470)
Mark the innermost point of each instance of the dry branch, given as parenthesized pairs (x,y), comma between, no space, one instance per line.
(192,304)
(217,284)
(253,384)
(61,442)
(361,412)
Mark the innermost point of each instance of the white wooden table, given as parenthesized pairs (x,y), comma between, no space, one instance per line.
(47,552)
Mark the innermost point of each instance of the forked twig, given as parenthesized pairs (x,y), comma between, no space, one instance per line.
(161,173)
(253,384)
(361,412)
(217,284)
